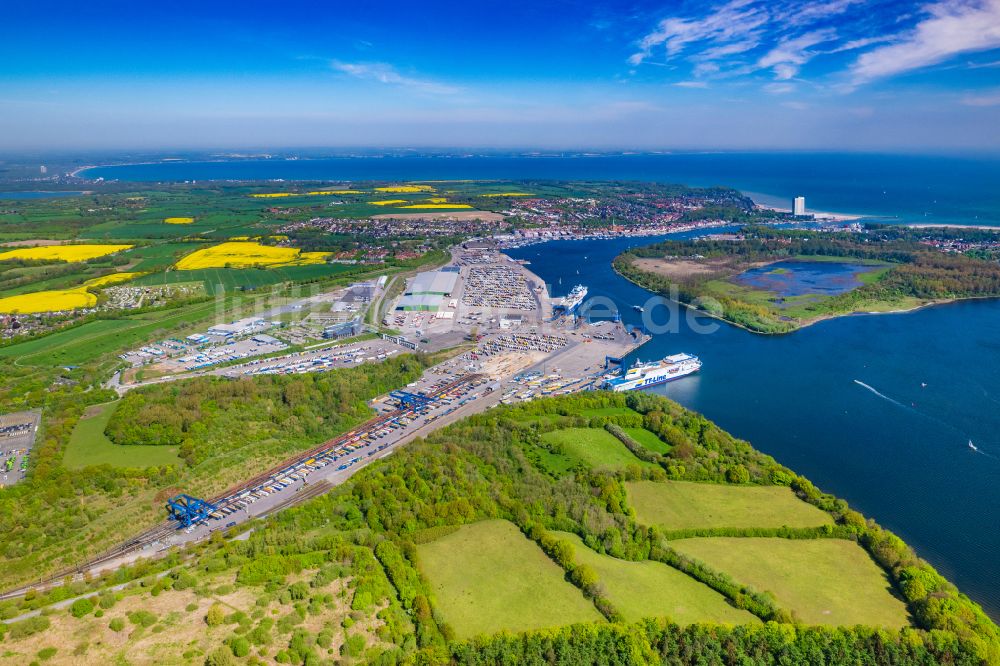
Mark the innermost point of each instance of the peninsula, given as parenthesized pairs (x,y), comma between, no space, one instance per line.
(776,281)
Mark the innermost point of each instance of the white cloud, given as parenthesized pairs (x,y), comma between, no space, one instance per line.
(952,27)
(735,21)
(779,88)
(987,98)
(387,74)
(790,54)
(691,84)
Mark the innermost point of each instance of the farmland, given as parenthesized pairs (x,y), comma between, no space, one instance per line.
(488,577)
(808,576)
(682,505)
(247,255)
(67,253)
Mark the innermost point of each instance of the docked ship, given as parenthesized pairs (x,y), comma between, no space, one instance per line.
(572,301)
(642,375)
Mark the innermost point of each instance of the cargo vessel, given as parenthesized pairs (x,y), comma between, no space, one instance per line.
(642,375)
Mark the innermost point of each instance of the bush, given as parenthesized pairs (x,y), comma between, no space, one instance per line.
(116,624)
(215,615)
(81,607)
(221,657)
(240,646)
(28,627)
(354,646)
(47,653)
(142,618)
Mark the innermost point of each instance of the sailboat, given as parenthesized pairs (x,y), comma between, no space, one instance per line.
(972,446)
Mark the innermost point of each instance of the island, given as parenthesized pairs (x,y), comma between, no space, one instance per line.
(770,280)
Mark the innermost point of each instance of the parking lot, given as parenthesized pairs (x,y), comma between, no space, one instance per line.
(17,436)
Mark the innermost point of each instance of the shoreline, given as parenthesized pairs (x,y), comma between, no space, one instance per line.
(985,227)
(806,324)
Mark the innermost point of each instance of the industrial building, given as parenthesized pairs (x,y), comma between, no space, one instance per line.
(437,283)
(420,302)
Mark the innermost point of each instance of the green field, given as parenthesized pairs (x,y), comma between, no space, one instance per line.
(653,589)
(488,577)
(648,439)
(86,342)
(245,278)
(822,581)
(594,447)
(684,504)
(88,445)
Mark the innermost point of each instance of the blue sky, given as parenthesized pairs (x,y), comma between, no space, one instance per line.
(834,74)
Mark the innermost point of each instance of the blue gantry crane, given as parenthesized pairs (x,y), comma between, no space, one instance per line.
(407,399)
(188,510)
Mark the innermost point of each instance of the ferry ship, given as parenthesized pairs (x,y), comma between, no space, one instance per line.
(643,375)
(573,300)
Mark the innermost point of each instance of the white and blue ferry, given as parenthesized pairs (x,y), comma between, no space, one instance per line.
(643,375)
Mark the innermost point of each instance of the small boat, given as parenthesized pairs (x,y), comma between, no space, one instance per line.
(972,446)
(638,308)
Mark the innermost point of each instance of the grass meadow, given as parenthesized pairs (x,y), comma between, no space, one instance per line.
(822,581)
(488,577)
(684,504)
(594,447)
(648,439)
(653,589)
(88,445)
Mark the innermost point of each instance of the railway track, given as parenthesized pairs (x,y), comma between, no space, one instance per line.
(231,496)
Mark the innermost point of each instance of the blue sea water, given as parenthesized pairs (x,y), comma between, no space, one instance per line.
(898,188)
(797,278)
(897,451)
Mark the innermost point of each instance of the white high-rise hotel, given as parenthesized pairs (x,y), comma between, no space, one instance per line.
(799,206)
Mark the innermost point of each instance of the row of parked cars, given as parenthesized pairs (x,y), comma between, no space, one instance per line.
(371,437)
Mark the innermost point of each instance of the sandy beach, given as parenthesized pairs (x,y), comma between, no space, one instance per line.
(954,226)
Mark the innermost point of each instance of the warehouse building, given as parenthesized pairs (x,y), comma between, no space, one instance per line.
(436,283)
(420,302)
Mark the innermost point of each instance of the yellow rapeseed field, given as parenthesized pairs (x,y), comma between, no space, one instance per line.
(320,193)
(63,252)
(48,301)
(247,255)
(509,194)
(387,202)
(438,200)
(179,220)
(112,278)
(437,206)
(273,195)
(405,189)
(55,300)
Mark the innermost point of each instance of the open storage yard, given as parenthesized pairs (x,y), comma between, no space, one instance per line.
(17,436)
